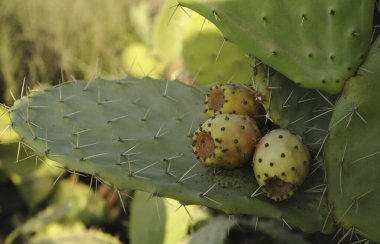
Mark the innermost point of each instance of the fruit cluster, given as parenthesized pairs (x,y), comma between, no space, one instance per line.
(231,137)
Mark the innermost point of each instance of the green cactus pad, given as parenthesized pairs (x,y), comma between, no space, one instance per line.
(303,111)
(136,134)
(209,58)
(317,44)
(352,152)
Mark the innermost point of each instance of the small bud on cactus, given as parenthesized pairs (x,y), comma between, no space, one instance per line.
(232,99)
(281,164)
(226,140)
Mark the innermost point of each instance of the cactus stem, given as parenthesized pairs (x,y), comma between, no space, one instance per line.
(365,157)
(208,190)
(284,222)
(93,156)
(186,173)
(146,167)
(117,118)
(253,195)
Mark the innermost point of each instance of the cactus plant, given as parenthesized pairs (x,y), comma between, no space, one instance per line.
(138,133)
(352,152)
(113,131)
(328,39)
(303,111)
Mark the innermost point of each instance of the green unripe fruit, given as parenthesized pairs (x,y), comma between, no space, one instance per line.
(280,163)
(232,99)
(226,140)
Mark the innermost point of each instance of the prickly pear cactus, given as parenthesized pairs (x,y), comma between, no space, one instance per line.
(304,112)
(209,58)
(352,152)
(136,134)
(317,44)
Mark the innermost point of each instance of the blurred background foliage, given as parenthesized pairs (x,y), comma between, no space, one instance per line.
(45,42)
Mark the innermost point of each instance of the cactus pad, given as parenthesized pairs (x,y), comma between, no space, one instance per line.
(352,152)
(135,134)
(303,111)
(317,44)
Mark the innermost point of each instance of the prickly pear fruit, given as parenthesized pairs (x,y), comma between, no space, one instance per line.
(281,164)
(226,140)
(232,99)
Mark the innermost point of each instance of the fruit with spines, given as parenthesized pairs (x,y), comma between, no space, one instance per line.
(280,163)
(226,141)
(232,99)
